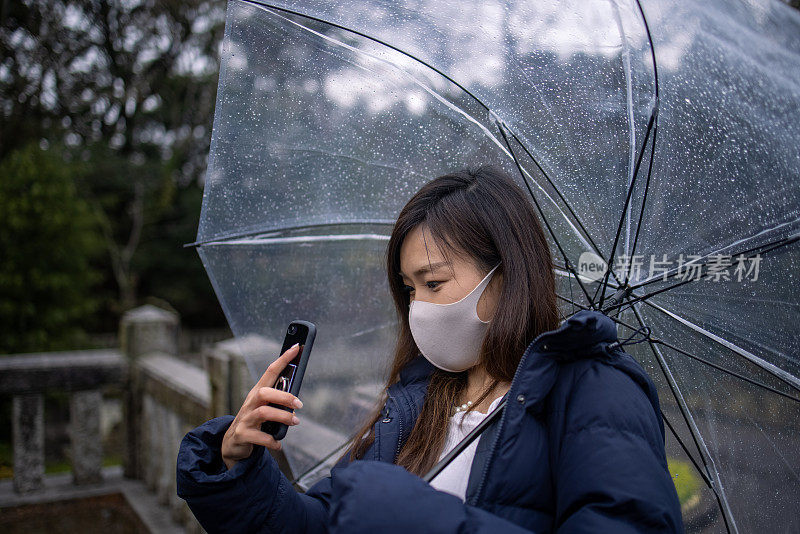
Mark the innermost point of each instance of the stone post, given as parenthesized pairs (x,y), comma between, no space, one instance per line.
(85,435)
(142,330)
(28,430)
(217,365)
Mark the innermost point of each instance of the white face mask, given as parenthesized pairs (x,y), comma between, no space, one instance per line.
(450,335)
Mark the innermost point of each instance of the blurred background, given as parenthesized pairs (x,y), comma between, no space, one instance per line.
(105,123)
(112,341)
(107,110)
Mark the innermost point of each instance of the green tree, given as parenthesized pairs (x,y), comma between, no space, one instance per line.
(129,89)
(49,244)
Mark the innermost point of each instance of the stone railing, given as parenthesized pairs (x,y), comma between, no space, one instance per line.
(164,397)
(189,341)
(86,375)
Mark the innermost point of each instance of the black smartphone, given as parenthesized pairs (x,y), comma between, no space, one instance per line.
(291,377)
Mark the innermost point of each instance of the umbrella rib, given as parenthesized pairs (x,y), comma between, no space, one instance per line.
(652,49)
(711,364)
(644,199)
(253,233)
(686,450)
(578,304)
(655,132)
(571,301)
(567,263)
(762,249)
(777,243)
(558,192)
(772,369)
(653,122)
(713,473)
(728,371)
(602,287)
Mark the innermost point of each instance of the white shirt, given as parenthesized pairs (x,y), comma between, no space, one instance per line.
(454,478)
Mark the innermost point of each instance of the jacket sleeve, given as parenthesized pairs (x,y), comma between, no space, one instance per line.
(253,496)
(610,469)
(373,496)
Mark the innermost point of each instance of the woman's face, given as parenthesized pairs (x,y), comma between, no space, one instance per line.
(441,285)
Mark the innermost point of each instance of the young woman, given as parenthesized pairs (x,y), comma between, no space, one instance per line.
(579,447)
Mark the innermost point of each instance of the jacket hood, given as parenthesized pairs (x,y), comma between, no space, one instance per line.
(580,335)
(588,334)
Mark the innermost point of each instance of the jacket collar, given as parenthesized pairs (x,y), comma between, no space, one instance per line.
(418,369)
(584,335)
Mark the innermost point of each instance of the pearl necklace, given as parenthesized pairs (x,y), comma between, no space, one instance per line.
(463,407)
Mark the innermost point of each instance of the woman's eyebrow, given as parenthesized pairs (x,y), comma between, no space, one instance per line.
(426,268)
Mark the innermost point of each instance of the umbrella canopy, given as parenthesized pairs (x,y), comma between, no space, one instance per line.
(658,141)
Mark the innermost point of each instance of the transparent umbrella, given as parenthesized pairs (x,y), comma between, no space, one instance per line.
(658,141)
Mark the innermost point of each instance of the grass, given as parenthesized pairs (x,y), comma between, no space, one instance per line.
(687,483)
(61,466)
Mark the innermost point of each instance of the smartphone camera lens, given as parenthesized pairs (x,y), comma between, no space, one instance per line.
(282,384)
(292,330)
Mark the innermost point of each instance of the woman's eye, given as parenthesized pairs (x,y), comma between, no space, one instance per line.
(430,285)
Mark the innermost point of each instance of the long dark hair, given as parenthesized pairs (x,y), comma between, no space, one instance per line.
(481,212)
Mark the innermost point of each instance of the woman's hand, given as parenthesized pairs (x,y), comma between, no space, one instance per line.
(374,496)
(245,430)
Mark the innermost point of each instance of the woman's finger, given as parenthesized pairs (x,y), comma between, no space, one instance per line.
(274,370)
(267,395)
(256,437)
(268,413)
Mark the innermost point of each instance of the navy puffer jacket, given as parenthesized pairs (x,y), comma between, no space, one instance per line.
(579,448)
